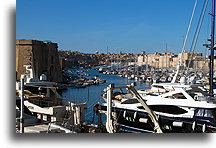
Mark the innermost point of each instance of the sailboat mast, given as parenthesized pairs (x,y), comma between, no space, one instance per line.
(212,49)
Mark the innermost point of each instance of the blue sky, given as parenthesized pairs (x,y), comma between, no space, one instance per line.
(122,25)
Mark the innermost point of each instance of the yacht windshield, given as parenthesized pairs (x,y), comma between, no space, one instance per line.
(169,109)
(204,113)
(130,101)
(197,91)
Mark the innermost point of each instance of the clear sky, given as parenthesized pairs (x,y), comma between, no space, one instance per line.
(122,25)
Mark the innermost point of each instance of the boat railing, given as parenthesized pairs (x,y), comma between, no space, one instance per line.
(132,90)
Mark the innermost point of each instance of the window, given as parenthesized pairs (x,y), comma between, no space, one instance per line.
(51,59)
(156,86)
(49,118)
(170,109)
(204,113)
(177,96)
(130,101)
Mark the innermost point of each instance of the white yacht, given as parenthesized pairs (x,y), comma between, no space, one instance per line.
(167,107)
(180,108)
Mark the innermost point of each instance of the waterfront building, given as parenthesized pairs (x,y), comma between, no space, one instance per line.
(142,59)
(165,60)
(168,60)
(42,56)
(153,59)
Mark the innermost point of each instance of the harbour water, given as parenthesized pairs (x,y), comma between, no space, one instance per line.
(92,94)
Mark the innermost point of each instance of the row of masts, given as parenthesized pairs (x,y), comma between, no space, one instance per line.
(211,47)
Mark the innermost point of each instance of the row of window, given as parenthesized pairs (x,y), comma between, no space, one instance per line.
(170,109)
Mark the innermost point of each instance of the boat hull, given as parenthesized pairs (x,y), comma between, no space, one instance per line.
(139,122)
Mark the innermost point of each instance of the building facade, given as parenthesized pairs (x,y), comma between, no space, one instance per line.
(168,60)
(42,56)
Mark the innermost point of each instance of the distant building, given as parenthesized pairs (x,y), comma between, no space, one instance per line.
(168,60)
(175,60)
(153,59)
(165,60)
(42,56)
(142,59)
(200,63)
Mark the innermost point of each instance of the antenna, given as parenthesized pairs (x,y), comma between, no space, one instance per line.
(166,55)
(107,49)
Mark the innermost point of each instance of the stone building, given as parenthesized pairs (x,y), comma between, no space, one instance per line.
(142,59)
(42,56)
(189,56)
(168,60)
(153,59)
(200,63)
(175,60)
(165,60)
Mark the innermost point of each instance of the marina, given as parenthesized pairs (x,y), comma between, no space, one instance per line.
(61,91)
(84,109)
(93,93)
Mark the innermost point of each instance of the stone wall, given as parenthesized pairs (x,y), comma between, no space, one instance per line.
(42,56)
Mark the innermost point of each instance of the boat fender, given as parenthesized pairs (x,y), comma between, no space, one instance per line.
(143,120)
(135,114)
(178,124)
(203,128)
(124,114)
(193,125)
(183,80)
